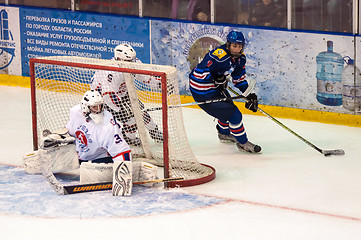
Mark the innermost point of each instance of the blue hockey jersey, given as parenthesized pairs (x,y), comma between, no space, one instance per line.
(216,63)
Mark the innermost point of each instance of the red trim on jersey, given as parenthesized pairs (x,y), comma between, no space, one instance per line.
(122,154)
(201,75)
(201,86)
(241,79)
(115,101)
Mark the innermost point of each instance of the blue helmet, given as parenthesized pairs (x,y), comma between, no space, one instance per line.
(236,37)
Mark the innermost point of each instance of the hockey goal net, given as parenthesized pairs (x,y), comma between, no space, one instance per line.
(148,108)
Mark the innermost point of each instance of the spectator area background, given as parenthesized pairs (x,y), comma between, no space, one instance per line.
(283,62)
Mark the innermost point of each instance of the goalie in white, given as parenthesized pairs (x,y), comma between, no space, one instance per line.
(103,153)
(113,88)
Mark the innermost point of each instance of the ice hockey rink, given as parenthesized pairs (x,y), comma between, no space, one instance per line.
(290,191)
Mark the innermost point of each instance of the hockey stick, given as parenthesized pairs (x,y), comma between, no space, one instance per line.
(107,186)
(60,189)
(195,103)
(324,152)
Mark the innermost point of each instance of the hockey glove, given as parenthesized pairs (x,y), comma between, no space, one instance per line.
(220,81)
(252,102)
(51,140)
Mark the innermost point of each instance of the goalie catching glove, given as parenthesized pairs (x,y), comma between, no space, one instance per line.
(252,102)
(51,140)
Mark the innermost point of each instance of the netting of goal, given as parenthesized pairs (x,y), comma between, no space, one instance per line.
(150,100)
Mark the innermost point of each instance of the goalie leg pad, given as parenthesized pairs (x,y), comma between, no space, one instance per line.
(48,174)
(32,163)
(136,170)
(61,159)
(147,172)
(122,178)
(144,171)
(96,172)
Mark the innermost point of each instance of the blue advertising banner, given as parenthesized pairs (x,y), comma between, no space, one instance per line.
(292,69)
(311,71)
(10,54)
(46,32)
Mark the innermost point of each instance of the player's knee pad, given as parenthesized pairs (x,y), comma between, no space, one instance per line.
(60,159)
(96,172)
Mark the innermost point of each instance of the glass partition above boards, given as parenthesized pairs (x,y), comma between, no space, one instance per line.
(62,4)
(123,7)
(265,13)
(192,10)
(322,15)
(315,15)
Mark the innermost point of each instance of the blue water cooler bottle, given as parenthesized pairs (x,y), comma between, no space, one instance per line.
(351,81)
(329,77)
(4,18)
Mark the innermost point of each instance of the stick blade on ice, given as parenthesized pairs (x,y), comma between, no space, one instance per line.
(333,152)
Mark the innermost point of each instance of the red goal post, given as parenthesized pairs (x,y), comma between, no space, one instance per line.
(58,83)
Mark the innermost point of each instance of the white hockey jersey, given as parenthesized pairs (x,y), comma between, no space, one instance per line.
(112,85)
(94,141)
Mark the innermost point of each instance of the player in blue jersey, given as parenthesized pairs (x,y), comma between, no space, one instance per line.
(208,80)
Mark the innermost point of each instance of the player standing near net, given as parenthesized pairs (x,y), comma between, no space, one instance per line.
(208,81)
(112,86)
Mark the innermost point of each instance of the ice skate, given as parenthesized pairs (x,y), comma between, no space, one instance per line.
(249,147)
(223,138)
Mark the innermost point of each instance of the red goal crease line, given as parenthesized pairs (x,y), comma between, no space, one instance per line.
(301,210)
(288,208)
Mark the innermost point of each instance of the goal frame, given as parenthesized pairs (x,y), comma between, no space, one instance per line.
(163,77)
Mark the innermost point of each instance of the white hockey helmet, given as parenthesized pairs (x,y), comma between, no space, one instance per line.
(124,52)
(92,106)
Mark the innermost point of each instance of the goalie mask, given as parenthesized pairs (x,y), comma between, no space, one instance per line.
(124,52)
(92,106)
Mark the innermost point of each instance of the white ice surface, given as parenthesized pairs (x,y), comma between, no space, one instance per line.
(290,191)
